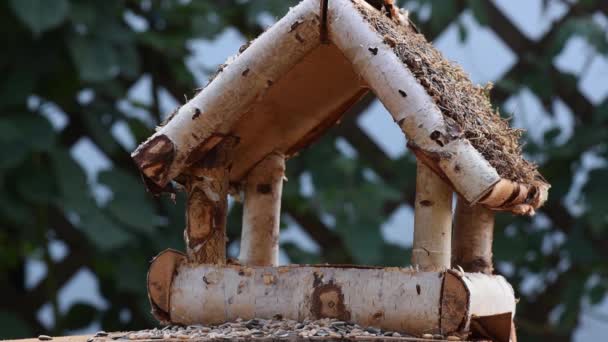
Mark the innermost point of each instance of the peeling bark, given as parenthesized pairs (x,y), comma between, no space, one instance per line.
(432,221)
(472,237)
(262,212)
(521,199)
(206,183)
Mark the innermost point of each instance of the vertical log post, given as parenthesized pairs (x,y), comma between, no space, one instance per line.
(206,183)
(473,236)
(262,212)
(432,221)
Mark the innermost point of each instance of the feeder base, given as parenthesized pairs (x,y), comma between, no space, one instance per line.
(396,299)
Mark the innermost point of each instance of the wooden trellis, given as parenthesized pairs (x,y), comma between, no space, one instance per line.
(278,96)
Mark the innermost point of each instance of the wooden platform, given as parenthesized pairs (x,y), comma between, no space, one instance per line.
(117,336)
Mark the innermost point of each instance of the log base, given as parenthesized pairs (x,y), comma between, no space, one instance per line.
(398,299)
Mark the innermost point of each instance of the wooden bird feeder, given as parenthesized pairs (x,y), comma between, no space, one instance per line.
(279,95)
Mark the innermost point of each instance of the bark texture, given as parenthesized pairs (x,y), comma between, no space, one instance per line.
(432,221)
(472,238)
(435,139)
(262,212)
(408,102)
(206,183)
(389,298)
(186,137)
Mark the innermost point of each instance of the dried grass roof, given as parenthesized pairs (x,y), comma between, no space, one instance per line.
(459,100)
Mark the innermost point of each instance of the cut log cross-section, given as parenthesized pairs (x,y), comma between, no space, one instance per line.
(432,221)
(206,183)
(262,211)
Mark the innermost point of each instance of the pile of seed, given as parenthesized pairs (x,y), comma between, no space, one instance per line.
(274,329)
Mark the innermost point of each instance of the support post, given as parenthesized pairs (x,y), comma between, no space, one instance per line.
(432,221)
(206,183)
(262,212)
(472,237)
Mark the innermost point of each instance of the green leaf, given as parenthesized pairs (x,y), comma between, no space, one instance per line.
(479,11)
(95,59)
(12,154)
(299,256)
(35,184)
(130,204)
(584,27)
(79,315)
(595,197)
(12,327)
(14,211)
(462,31)
(41,15)
(72,184)
(596,293)
(103,232)
(132,273)
(32,130)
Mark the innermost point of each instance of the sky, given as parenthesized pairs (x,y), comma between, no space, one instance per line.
(483,55)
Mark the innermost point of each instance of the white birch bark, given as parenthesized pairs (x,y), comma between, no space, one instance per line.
(186,138)
(472,237)
(431,250)
(389,298)
(408,102)
(262,212)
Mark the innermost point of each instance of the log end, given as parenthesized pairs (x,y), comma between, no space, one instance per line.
(454,304)
(518,198)
(477,305)
(154,159)
(160,277)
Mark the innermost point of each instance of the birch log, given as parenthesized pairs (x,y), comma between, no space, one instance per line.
(408,102)
(389,298)
(472,237)
(262,212)
(207,188)
(432,221)
(186,138)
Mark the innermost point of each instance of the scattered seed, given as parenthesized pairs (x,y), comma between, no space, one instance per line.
(453,338)
(427,336)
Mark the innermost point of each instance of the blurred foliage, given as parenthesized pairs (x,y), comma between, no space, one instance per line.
(80,58)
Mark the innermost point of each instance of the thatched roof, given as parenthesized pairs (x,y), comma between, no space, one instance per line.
(462,102)
(287,87)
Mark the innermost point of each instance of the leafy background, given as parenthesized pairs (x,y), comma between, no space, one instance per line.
(73,107)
